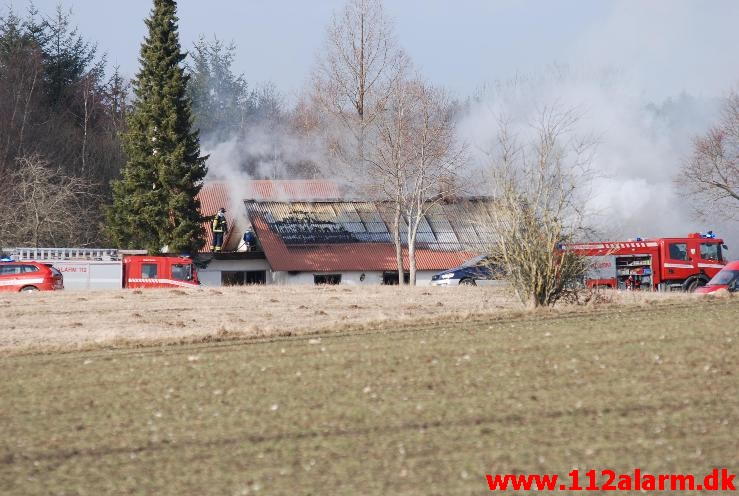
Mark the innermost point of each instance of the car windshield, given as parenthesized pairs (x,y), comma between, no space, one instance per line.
(474,261)
(725,277)
(182,272)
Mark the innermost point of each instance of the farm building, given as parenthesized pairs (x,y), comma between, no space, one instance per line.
(305,234)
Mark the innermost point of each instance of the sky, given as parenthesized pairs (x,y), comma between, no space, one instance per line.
(648,74)
(666,45)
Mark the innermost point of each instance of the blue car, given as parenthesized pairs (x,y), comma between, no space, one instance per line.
(478,270)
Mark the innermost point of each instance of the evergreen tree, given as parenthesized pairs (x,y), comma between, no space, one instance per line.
(154,204)
(220,98)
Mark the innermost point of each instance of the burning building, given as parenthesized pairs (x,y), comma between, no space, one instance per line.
(305,233)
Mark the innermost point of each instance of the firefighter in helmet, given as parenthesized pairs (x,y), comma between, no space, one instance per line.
(220,227)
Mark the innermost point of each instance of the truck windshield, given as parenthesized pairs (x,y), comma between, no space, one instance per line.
(724,278)
(711,251)
(182,272)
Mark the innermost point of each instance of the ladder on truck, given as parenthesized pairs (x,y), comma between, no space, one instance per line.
(60,254)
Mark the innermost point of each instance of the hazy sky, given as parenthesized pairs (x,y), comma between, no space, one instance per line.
(628,63)
(662,46)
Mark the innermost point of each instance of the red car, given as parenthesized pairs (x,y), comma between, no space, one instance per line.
(727,278)
(29,276)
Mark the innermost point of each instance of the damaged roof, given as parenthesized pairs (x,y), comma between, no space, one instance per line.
(325,236)
(217,194)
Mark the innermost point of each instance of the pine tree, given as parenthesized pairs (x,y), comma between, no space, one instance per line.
(154,204)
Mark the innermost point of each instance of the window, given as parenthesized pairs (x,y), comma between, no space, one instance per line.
(711,251)
(725,277)
(256,277)
(149,271)
(6,270)
(390,278)
(679,251)
(182,272)
(233,278)
(9,270)
(240,278)
(327,279)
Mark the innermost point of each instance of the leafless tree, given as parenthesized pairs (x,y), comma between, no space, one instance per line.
(540,185)
(390,158)
(353,78)
(47,207)
(414,151)
(437,158)
(710,177)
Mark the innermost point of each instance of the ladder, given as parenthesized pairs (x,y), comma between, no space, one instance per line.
(104,254)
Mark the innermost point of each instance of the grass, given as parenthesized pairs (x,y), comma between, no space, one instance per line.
(411,409)
(83,320)
(69,320)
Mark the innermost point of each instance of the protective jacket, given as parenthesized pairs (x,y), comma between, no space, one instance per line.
(219,223)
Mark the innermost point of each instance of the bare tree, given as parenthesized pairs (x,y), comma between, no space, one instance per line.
(354,76)
(391,156)
(48,207)
(710,177)
(539,187)
(437,158)
(414,151)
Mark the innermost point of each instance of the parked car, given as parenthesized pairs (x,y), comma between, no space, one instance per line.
(726,279)
(476,271)
(29,276)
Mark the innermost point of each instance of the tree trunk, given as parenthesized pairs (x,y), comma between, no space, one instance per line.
(412,257)
(398,244)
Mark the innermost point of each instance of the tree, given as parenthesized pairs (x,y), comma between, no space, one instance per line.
(49,208)
(390,159)
(539,189)
(413,151)
(437,158)
(354,77)
(220,97)
(154,204)
(69,57)
(710,177)
(54,99)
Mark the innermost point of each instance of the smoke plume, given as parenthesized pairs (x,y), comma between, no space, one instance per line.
(641,145)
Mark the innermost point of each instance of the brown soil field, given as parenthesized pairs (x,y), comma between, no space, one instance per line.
(77,320)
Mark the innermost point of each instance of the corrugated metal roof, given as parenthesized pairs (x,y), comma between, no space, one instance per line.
(292,190)
(216,194)
(340,236)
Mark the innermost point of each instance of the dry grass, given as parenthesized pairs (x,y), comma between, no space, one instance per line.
(424,409)
(73,320)
(82,320)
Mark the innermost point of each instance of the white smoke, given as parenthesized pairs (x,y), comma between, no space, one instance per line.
(262,151)
(641,145)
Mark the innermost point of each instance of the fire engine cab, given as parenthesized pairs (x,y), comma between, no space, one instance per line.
(661,263)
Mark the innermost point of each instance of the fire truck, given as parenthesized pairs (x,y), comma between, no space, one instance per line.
(666,264)
(97,268)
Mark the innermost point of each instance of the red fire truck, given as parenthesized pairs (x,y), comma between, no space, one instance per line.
(86,268)
(660,263)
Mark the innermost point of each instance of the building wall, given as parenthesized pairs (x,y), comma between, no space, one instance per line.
(351,278)
(211,276)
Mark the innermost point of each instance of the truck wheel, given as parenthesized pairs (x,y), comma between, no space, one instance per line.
(467,282)
(692,284)
(29,289)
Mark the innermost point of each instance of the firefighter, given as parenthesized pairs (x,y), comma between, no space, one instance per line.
(220,227)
